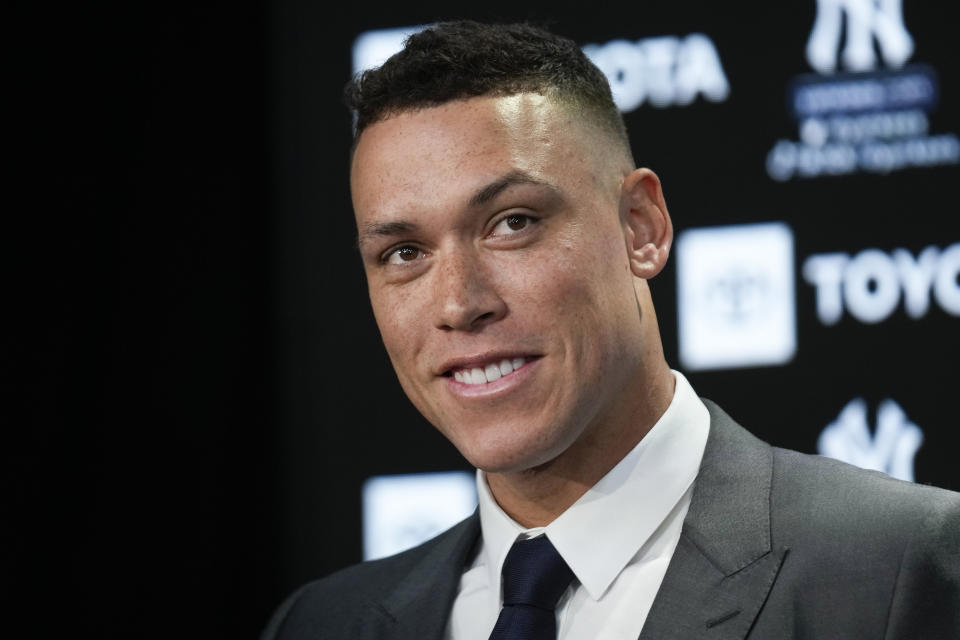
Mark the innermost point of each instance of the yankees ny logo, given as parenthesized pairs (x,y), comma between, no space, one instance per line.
(867,20)
(891,449)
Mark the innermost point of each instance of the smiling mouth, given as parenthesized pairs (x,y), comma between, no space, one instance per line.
(487,373)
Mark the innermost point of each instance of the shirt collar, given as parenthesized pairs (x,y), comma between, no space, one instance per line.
(632,500)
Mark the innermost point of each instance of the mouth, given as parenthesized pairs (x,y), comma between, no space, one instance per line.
(486,371)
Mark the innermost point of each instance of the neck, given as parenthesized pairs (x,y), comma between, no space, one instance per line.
(536,497)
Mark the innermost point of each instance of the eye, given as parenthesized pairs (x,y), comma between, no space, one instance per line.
(513,223)
(401,255)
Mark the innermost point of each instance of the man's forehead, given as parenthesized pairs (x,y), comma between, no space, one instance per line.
(489,135)
(521,116)
(526,108)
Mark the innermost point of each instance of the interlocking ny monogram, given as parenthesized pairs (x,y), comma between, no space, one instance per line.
(892,447)
(866,20)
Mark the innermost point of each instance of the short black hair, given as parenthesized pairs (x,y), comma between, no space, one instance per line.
(464,59)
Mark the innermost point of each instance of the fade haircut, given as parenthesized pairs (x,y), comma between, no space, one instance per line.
(464,59)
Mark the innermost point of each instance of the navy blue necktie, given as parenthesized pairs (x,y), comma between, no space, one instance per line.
(534,578)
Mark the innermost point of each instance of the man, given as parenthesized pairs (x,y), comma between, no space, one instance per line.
(507,240)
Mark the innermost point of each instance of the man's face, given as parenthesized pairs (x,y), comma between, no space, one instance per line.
(492,235)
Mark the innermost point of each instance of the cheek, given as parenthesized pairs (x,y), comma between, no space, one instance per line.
(402,331)
(584,269)
(586,290)
(395,311)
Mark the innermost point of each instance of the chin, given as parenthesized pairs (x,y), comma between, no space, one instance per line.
(499,443)
(519,456)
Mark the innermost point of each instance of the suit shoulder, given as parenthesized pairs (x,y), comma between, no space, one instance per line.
(349,594)
(366,580)
(835,497)
(340,595)
(860,537)
(813,471)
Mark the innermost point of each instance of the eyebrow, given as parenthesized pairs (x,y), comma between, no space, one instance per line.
(490,191)
(381,229)
(481,196)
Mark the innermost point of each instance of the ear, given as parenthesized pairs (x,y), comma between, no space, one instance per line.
(647,227)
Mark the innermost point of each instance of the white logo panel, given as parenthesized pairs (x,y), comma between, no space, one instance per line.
(891,449)
(401,511)
(736,296)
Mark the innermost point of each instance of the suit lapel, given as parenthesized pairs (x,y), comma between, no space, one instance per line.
(724,565)
(419,607)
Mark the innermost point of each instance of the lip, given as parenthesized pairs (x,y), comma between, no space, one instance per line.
(502,385)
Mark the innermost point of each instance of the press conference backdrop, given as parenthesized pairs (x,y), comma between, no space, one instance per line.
(810,156)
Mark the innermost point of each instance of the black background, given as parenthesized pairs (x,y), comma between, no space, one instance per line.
(195,382)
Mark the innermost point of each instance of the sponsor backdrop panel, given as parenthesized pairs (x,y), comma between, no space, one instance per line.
(209,417)
(809,157)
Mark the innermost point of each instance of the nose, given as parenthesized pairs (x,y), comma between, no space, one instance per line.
(466,294)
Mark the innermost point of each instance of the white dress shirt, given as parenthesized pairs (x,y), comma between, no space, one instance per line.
(618,538)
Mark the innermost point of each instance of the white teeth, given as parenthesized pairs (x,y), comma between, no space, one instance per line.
(489,373)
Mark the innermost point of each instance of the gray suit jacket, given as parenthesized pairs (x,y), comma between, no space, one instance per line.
(776,545)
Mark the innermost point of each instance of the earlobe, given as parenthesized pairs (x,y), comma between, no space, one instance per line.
(647,226)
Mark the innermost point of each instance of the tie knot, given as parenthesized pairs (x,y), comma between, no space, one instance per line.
(534,574)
